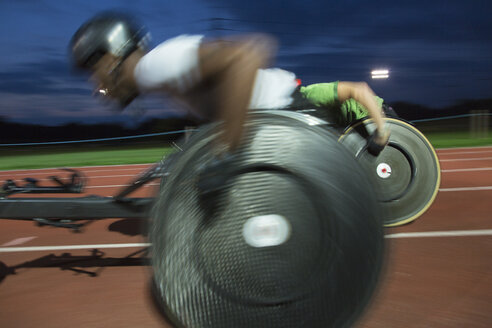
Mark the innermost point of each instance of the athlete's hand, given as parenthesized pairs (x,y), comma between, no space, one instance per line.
(378,140)
(213,175)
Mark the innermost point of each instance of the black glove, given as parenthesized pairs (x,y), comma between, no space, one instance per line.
(377,141)
(213,177)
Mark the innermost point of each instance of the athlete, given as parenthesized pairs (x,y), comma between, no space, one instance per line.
(216,79)
(347,102)
(213,77)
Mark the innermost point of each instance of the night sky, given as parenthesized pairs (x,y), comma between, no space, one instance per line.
(437,51)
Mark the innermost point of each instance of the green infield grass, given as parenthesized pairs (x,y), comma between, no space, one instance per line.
(86,155)
(456,139)
(74,157)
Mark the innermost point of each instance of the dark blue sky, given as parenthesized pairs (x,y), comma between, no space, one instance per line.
(437,51)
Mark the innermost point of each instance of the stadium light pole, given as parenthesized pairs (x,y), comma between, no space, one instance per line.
(380,74)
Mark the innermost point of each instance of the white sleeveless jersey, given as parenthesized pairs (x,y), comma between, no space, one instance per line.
(174,63)
(273,89)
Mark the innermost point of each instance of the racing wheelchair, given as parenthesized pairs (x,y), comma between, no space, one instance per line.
(292,236)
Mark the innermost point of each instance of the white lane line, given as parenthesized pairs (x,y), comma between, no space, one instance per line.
(69,247)
(468,170)
(465,159)
(157,184)
(79,167)
(467,152)
(19,241)
(60,172)
(133,175)
(119,186)
(466,189)
(94,177)
(458,148)
(457,233)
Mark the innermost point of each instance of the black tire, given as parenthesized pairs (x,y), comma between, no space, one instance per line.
(412,175)
(210,272)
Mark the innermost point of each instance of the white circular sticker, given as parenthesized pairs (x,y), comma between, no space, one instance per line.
(266,230)
(384,170)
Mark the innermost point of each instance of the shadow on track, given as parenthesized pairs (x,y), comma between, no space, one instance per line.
(130,227)
(79,264)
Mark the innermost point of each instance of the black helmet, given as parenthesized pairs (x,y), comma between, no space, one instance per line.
(108,32)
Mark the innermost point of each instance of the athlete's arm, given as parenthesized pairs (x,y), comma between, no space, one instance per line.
(362,93)
(233,65)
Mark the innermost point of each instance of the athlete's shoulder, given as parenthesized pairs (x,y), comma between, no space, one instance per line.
(181,41)
(173,62)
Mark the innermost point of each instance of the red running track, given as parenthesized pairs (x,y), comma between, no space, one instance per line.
(438,273)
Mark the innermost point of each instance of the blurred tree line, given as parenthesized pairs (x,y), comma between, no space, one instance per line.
(411,112)
(11,132)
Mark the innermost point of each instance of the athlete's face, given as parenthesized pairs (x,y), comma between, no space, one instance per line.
(108,83)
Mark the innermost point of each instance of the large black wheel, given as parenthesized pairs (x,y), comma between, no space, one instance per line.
(406,173)
(294,240)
